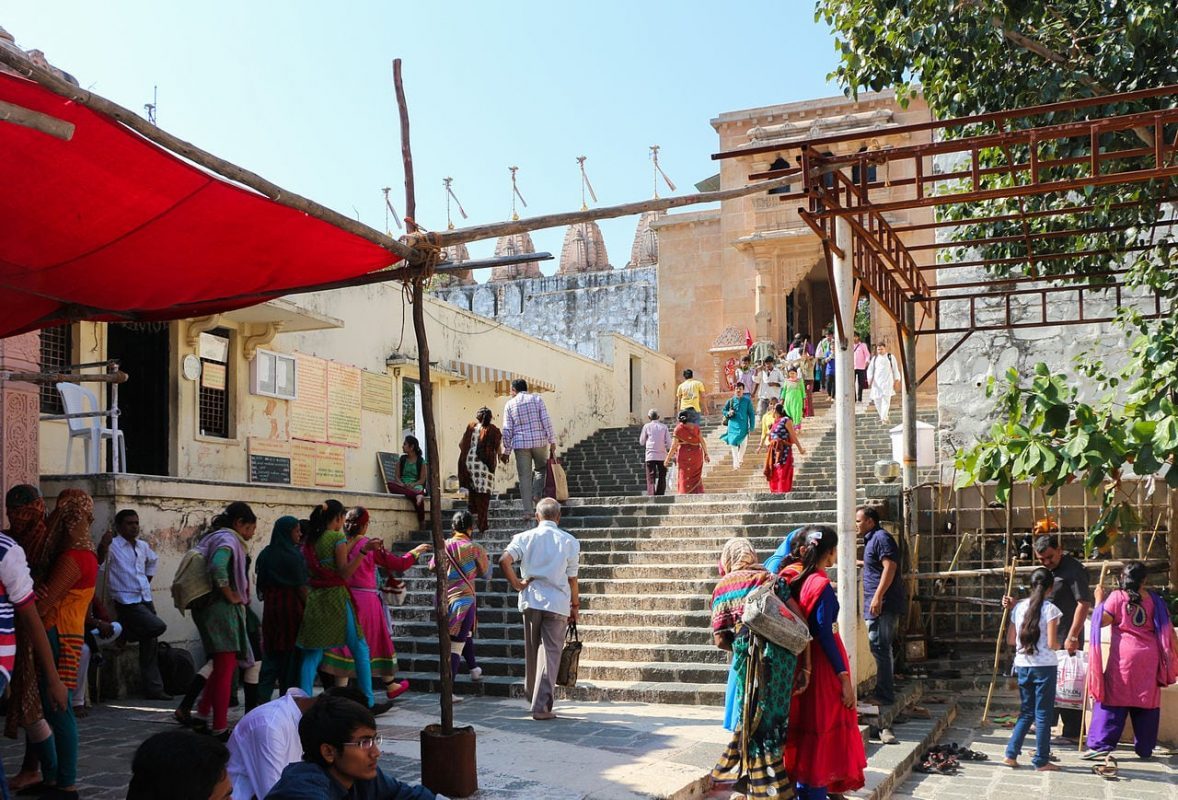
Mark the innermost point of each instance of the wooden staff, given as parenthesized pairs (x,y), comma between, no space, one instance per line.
(998,645)
(1084,703)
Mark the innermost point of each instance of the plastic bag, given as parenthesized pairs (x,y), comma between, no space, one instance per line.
(1070,679)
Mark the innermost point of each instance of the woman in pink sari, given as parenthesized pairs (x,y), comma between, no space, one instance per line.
(370,607)
(1141,660)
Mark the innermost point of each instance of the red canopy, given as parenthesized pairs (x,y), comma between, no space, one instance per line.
(109,226)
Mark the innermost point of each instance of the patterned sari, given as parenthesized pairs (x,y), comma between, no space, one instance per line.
(690,456)
(779,461)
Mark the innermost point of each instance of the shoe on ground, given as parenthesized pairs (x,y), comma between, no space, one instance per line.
(1064,741)
(380,708)
(160,695)
(1094,755)
(543,715)
(476,673)
(397,689)
(887,737)
(456,699)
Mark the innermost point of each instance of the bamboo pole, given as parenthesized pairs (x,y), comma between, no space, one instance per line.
(1084,705)
(998,646)
(441,614)
(225,169)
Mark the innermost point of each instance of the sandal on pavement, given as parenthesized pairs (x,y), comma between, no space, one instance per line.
(1107,770)
(1095,755)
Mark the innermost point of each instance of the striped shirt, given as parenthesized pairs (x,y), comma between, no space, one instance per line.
(16,590)
(526,423)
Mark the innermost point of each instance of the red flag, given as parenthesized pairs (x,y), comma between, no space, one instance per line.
(748,338)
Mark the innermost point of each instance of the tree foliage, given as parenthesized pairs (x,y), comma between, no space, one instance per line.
(975,56)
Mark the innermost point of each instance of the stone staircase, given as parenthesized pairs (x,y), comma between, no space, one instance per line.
(648,567)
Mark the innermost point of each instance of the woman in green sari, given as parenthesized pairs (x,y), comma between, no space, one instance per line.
(793,397)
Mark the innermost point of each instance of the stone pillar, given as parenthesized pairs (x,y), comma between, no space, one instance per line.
(764,298)
(20,410)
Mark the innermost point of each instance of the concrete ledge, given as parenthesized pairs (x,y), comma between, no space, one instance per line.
(888,766)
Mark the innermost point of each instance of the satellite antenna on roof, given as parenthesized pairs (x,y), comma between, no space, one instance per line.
(451,196)
(585,184)
(658,172)
(150,107)
(388,209)
(515,193)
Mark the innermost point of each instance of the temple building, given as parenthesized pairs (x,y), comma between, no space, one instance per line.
(585,301)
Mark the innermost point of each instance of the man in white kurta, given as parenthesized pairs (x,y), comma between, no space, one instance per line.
(883,378)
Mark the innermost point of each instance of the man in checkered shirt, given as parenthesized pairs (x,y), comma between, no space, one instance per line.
(527,431)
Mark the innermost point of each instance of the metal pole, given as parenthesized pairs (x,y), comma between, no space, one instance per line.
(909,409)
(844,415)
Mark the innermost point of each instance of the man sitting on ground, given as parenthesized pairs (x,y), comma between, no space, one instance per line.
(340,751)
(266,741)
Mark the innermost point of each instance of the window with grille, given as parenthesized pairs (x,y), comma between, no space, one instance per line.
(214,383)
(56,347)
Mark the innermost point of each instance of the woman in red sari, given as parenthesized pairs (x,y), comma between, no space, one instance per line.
(687,442)
(779,459)
(823,749)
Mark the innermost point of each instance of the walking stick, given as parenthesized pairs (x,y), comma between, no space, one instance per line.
(998,644)
(1084,703)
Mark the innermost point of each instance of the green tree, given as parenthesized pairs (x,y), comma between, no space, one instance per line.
(973,56)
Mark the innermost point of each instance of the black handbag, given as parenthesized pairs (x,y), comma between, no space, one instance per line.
(570,658)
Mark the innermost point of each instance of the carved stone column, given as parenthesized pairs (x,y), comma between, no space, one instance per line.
(764,298)
(20,409)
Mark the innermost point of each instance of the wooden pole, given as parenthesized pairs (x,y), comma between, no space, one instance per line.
(998,645)
(495,229)
(1084,705)
(35,120)
(431,429)
(225,169)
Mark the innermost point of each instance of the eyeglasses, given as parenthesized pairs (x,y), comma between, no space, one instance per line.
(367,743)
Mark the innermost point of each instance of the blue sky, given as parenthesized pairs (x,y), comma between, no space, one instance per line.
(301,92)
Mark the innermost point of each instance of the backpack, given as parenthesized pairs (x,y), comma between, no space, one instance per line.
(191,584)
(177,669)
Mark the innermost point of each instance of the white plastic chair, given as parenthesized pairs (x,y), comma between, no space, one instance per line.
(77,400)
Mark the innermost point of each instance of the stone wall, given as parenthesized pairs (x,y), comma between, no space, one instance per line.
(570,311)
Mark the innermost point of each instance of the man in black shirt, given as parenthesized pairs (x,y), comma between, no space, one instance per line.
(1073,597)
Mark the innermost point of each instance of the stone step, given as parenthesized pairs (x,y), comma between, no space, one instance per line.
(673,585)
(514,632)
(661,672)
(631,617)
(585,691)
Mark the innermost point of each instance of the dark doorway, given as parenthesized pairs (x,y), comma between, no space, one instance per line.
(142,351)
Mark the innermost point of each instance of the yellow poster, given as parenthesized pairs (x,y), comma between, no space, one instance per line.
(212,376)
(329,466)
(376,393)
(302,463)
(308,414)
(343,404)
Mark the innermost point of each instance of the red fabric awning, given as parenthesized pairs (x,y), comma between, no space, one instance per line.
(110,226)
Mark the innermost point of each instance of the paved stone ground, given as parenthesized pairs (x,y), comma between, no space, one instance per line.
(597,751)
(990,780)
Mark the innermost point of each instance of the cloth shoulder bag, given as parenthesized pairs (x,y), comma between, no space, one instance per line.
(570,658)
(556,484)
(768,617)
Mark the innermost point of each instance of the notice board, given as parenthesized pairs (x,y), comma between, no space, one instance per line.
(308,414)
(269,461)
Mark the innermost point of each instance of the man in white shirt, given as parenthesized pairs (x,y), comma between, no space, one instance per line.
(548,597)
(769,382)
(129,565)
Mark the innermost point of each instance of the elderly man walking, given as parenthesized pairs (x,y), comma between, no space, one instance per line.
(656,438)
(130,565)
(548,597)
(527,432)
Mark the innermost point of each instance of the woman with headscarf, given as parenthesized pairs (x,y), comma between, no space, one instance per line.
(779,459)
(26,518)
(465,561)
(221,621)
(282,584)
(688,445)
(63,598)
(824,750)
(477,454)
(760,679)
(1142,659)
(368,601)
